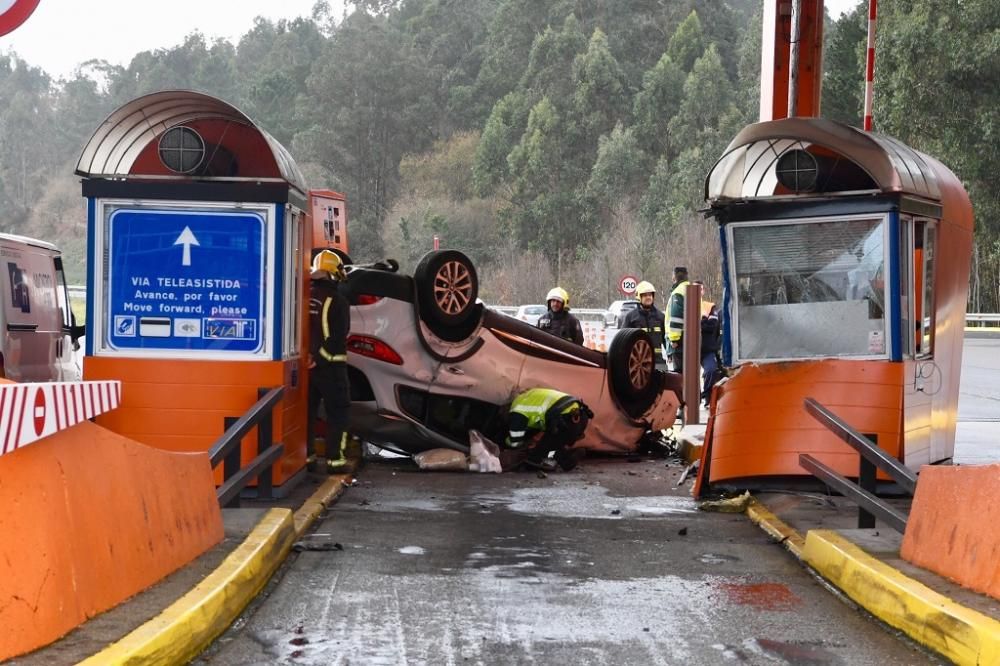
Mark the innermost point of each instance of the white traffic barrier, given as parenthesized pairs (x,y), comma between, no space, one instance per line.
(31,411)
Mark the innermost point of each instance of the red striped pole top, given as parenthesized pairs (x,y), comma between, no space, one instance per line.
(870,64)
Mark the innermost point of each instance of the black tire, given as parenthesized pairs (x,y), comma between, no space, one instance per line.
(631,371)
(447,288)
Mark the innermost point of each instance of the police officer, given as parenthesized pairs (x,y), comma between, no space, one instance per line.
(649,318)
(557,320)
(543,421)
(329,321)
(675,323)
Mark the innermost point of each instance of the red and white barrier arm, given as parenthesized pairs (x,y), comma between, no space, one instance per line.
(29,412)
(870,64)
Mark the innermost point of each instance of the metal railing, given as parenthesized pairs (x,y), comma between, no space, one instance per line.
(227,450)
(981,318)
(870,507)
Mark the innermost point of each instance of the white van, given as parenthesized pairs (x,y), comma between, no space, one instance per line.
(38,332)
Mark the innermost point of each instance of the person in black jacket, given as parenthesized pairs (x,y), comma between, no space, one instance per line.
(650,319)
(329,321)
(558,321)
(711,343)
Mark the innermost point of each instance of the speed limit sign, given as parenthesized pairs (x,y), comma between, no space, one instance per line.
(15,12)
(628,284)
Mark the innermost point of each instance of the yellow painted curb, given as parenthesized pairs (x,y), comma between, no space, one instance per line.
(324,496)
(932,619)
(190,624)
(775,527)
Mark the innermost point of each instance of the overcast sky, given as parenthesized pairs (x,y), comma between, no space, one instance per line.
(63,33)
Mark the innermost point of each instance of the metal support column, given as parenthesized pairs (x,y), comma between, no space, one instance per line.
(692,353)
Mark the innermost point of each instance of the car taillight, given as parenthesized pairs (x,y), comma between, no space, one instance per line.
(373,348)
(368,299)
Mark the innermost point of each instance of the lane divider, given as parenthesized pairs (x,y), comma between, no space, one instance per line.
(188,626)
(961,634)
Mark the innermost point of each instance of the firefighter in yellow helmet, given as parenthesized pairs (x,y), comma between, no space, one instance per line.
(329,323)
(557,320)
(650,319)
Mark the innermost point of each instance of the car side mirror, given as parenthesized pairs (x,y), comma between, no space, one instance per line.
(77,331)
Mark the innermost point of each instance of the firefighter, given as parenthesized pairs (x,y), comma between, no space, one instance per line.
(650,319)
(557,320)
(329,322)
(675,321)
(545,421)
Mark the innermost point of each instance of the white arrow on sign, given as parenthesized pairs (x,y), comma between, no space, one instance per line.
(187,239)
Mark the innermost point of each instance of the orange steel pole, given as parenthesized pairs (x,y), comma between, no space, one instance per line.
(692,353)
(776,54)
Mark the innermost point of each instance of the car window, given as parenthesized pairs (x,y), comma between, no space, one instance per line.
(535,309)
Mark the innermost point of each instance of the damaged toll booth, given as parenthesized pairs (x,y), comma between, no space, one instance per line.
(846,270)
(198,237)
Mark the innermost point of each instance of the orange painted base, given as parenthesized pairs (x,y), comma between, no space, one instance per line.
(954,525)
(89,519)
(181,405)
(759,425)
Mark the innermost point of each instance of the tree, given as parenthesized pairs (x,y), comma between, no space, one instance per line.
(599,101)
(687,44)
(657,103)
(844,67)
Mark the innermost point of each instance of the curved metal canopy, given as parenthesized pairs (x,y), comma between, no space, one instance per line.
(747,168)
(118,142)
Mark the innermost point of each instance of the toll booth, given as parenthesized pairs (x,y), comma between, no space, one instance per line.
(846,270)
(329,215)
(197,245)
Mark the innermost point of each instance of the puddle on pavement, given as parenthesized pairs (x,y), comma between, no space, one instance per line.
(800,654)
(717,558)
(412,550)
(576,501)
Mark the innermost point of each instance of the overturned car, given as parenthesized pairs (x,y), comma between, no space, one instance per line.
(427,363)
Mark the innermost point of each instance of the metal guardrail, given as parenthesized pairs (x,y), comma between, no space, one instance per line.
(981,318)
(870,507)
(227,450)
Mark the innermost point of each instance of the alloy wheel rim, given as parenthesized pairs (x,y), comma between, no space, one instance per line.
(640,364)
(453,287)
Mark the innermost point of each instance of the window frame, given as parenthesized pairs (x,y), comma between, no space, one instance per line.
(884,219)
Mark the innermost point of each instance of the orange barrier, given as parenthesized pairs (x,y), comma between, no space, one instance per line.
(759,425)
(954,525)
(180,405)
(90,518)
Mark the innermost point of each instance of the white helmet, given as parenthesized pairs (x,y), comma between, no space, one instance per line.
(558,294)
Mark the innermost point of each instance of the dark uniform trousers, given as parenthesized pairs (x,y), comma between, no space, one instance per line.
(328,384)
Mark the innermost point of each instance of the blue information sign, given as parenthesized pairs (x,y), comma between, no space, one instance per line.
(185,280)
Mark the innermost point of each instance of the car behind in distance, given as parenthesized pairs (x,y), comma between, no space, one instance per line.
(530,313)
(617,311)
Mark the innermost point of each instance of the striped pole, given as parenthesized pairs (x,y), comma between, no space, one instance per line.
(870,64)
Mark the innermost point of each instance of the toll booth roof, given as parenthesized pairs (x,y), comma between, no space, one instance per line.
(126,133)
(880,163)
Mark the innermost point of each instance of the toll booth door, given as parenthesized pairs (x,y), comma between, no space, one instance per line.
(922,378)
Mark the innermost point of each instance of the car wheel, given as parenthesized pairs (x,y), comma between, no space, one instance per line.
(632,372)
(447,287)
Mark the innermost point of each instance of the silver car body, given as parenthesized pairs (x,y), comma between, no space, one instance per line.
(499,359)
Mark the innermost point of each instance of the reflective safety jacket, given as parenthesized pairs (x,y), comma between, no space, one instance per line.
(675,310)
(531,412)
(329,322)
(651,320)
(562,324)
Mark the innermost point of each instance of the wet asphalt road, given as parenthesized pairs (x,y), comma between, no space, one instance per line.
(609,564)
(976,440)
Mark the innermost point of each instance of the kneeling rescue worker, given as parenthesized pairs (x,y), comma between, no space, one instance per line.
(543,421)
(329,322)
(558,321)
